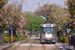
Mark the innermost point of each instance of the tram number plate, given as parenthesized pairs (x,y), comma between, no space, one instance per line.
(48,38)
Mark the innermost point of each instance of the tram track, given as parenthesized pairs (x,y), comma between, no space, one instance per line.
(30,47)
(33,45)
(16,46)
(19,45)
(43,46)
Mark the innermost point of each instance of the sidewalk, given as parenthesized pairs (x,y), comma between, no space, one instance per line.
(5,46)
(8,45)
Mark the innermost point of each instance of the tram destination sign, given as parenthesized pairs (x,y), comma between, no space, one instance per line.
(48,25)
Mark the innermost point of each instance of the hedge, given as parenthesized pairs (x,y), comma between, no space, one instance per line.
(6,38)
(14,38)
(61,39)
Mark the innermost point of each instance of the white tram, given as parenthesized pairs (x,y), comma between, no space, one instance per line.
(48,33)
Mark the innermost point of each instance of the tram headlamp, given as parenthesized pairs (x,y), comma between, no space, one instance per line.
(48,35)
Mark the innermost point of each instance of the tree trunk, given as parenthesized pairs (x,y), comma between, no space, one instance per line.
(47,20)
(2,39)
(71,32)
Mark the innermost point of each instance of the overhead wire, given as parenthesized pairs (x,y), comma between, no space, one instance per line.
(47,1)
(27,5)
(43,1)
(37,3)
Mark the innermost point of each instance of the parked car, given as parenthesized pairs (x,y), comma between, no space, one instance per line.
(29,33)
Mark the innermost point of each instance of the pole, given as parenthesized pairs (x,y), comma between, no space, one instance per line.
(68,39)
(68,31)
(11,36)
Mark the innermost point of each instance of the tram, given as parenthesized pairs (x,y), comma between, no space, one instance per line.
(48,33)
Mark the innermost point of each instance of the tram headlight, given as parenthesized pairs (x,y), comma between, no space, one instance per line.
(48,35)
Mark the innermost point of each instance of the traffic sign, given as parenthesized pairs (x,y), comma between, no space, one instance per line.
(68,30)
(6,31)
(69,35)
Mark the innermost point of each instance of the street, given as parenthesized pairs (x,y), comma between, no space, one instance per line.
(34,44)
(37,24)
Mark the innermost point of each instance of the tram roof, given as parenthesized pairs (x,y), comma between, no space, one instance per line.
(48,25)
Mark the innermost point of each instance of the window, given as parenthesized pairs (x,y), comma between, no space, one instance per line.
(48,30)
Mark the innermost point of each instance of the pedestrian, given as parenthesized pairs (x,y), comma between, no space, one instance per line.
(25,34)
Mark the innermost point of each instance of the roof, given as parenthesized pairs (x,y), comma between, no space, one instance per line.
(48,25)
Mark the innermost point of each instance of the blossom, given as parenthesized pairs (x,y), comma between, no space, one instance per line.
(74,16)
(74,23)
(68,15)
(10,18)
(59,27)
(0,23)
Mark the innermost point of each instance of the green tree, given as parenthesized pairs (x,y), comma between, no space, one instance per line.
(34,23)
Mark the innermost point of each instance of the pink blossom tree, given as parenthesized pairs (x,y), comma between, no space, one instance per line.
(10,14)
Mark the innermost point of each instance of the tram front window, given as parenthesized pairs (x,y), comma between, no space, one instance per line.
(48,30)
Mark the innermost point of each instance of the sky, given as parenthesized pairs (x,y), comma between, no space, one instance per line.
(32,5)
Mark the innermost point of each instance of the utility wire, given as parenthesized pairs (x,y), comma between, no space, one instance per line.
(48,0)
(27,5)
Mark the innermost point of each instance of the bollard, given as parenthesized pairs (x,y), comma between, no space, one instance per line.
(68,40)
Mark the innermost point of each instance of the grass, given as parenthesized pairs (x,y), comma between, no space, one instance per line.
(24,41)
(13,47)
